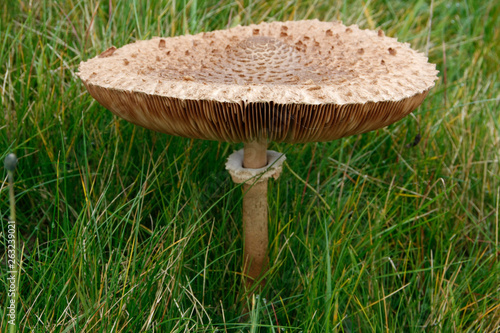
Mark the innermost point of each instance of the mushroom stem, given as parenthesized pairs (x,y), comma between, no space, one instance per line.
(255,215)
(255,155)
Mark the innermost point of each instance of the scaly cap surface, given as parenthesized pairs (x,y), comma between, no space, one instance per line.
(282,81)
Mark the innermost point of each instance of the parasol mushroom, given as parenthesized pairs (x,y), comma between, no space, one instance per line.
(295,82)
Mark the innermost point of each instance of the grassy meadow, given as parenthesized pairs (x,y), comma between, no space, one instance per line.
(126,230)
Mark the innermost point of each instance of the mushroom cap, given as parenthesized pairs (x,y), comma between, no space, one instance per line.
(290,81)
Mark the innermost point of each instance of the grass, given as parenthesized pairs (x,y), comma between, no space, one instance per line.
(127,230)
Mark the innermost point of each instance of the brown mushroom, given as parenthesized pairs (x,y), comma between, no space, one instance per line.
(319,81)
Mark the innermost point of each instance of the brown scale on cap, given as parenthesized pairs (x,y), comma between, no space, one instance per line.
(108,53)
(232,85)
